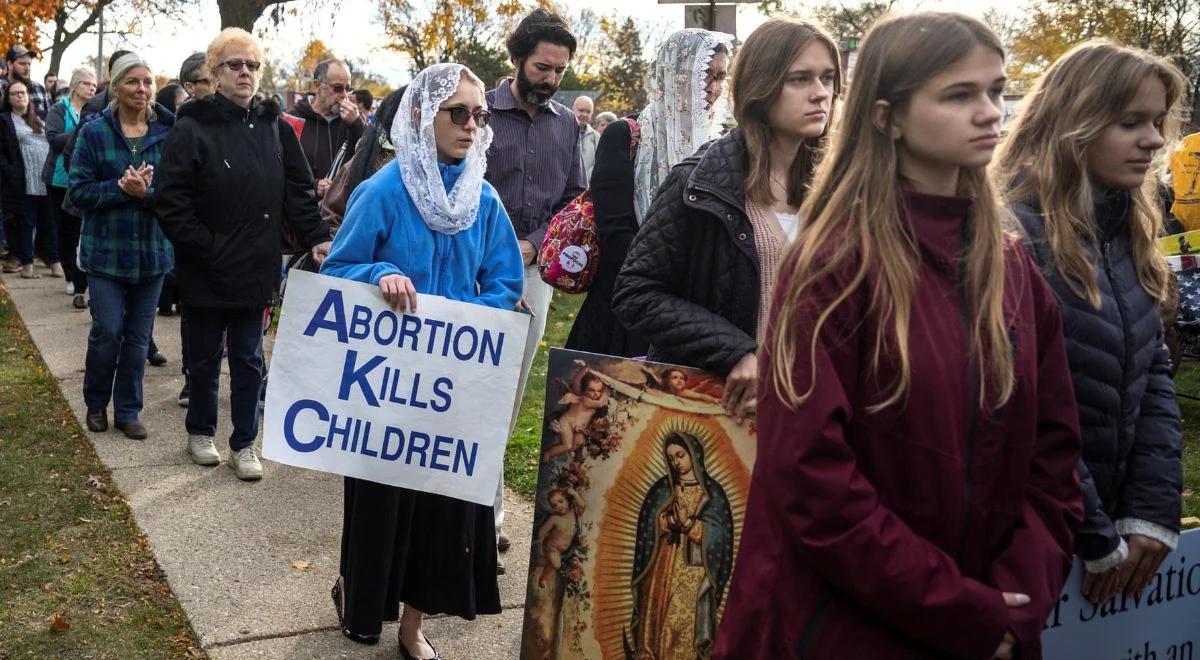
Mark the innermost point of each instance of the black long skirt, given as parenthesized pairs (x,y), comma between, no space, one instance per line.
(434,553)
(596,328)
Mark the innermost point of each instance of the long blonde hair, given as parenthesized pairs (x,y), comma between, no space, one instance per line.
(1045,156)
(853,216)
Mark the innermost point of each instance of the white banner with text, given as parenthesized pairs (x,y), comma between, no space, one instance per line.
(421,400)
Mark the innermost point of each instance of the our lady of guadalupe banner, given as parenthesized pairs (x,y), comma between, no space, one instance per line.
(421,400)
(641,495)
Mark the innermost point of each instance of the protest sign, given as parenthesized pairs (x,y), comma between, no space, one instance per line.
(1185,179)
(1161,623)
(641,495)
(420,400)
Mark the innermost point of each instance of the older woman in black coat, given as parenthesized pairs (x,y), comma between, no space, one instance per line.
(230,177)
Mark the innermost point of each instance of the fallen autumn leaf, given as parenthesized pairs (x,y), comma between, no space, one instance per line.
(58,623)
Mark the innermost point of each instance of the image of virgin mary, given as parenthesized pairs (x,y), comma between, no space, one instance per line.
(682,558)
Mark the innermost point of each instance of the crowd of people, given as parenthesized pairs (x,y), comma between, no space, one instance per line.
(955,362)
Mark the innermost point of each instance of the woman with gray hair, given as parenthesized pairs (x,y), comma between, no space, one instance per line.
(603,120)
(125,254)
(60,122)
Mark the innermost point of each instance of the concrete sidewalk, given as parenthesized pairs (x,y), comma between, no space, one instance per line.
(228,547)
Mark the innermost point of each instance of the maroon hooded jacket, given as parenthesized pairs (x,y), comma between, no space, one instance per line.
(893,534)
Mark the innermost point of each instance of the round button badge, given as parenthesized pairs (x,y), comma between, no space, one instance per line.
(573,259)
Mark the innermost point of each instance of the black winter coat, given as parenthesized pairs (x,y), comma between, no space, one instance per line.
(690,284)
(1122,375)
(596,328)
(12,166)
(321,137)
(229,178)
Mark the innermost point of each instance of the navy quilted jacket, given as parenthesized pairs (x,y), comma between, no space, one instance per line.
(690,282)
(1121,371)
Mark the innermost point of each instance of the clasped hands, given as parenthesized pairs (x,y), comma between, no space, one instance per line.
(136,182)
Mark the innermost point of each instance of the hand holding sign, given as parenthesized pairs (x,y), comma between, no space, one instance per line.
(740,388)
(399,293)
(1101,587)
(1145,556)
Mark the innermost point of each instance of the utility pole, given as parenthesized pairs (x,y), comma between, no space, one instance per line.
(716,15)
(100,48)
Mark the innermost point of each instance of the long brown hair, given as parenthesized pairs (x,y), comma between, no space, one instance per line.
(759,73)
(853,217)
(31,116)
(1044,157)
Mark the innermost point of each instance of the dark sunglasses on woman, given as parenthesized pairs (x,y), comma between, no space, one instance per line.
(236,65)
(459,116)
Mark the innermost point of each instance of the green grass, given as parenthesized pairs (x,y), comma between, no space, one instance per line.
(521,457)
(1187,381)
(77,578)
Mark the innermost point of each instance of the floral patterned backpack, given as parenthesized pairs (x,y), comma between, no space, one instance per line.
(570,253)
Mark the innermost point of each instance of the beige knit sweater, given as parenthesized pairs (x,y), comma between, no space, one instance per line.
(770,241)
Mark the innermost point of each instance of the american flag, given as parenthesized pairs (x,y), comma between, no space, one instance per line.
(1189,297)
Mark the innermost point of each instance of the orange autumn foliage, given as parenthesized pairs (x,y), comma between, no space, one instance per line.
(19,20)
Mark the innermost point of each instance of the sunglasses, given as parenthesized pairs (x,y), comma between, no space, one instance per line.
(338,88)
(236,65)
(205,81)
(459,116)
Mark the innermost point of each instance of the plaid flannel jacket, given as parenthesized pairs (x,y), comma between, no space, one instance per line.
(120,238)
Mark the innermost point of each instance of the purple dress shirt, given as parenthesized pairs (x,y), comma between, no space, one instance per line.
(534,163)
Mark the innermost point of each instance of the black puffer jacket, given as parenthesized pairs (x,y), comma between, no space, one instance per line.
(227,182)
(1121,371)
(690,284)
(12,166)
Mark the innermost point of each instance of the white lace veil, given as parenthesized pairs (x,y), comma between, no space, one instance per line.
(416,151)
(676,120)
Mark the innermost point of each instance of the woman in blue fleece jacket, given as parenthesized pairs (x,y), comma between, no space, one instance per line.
(429,224)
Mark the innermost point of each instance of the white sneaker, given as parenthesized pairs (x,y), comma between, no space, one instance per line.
(70,288)
(202,450)
(246,465)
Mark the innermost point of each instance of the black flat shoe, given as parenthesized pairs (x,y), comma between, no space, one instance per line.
(339,605)
(156,359)
(408,656)
(78,302)
(133,430)
(97,421)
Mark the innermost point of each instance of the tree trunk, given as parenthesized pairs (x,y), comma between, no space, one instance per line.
(56,51)
(243,13)
(63,38)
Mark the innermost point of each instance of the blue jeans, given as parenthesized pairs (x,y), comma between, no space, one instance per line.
(122,316)
(36,219)
(207,330)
